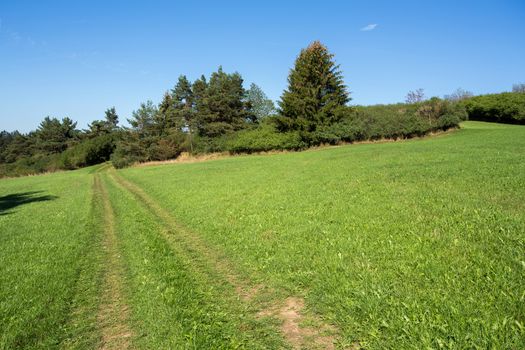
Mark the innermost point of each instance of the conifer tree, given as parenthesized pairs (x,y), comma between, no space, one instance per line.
(165,118)
(223,107)
(54,136)
(184,102)
(182,92)
(316,94)
(199,88)
(184,105)
(143,118)
(96,128)
(111,118)
(103,127)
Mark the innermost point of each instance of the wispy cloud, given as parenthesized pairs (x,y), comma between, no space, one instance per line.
(16,37)
(369,27)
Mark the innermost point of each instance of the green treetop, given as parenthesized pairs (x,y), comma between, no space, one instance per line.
(316,92)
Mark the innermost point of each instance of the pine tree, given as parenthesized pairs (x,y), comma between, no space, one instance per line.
(102,127)
(21,146)
(54,136)
(143,118)
(316,93)
(96,128)
(111,118)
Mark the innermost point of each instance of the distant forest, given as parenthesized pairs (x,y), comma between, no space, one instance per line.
(218,114)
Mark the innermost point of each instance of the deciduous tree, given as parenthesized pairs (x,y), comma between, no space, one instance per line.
(415,96)
(518,88)
(261,105)
(459,95)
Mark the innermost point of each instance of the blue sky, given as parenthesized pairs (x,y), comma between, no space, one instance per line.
(77,58)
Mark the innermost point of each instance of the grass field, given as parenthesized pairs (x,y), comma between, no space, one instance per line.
(403,245)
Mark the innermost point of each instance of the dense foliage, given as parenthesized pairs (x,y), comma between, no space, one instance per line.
(58,144)
(507,107)
(358,123)
(217,114)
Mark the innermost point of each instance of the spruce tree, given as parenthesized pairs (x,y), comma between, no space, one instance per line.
(184,102)
(182,92)
(223,107)
(316,93)
(185,107)
(166,119)
(200,107)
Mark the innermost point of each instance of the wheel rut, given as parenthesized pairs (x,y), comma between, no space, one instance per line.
(113,314)
(264,302)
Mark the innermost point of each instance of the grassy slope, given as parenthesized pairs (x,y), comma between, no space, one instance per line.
(401,245)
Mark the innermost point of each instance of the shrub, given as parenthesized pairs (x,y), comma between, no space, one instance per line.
(399,120)
(169,147)
(128,151)
(206,144)
(133,148)
(387,121)
(507,107)
(353,124)
(264,138)
(89,152)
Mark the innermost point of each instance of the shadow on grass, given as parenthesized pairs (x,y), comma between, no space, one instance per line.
(16,199)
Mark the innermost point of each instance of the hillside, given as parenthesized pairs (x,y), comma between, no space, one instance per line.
(409,244)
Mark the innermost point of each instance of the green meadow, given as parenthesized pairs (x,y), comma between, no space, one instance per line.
(416,244)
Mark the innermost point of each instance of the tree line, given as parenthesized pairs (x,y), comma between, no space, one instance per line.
(218,114)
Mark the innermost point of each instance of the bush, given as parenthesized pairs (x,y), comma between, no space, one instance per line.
(169,147)
(402,120)
(88,152)
(353,124)
(507,107)
(133,148)
(129,150)
(264,138)
(35,164)
(206,144)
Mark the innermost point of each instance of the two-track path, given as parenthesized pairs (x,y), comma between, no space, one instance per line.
(113,311)
(209,263)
